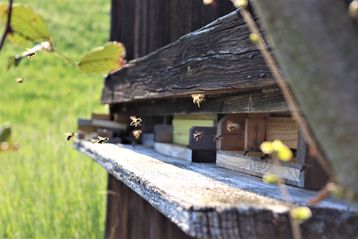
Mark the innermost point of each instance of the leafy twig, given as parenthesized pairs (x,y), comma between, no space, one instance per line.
(286,91)
(7,25)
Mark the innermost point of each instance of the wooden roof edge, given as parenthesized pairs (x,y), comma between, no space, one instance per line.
(216,58)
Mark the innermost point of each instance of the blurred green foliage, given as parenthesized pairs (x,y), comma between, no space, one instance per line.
(47,189)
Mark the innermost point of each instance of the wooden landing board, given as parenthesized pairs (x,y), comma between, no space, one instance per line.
(206,201)
(257,167)
(173,150)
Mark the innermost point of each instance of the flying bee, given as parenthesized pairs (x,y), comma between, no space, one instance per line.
(232,125)
(197,135)
(69,136)
(198,98)
(137,133)
(19,80)
(100,140)
(135,121)
(217,138)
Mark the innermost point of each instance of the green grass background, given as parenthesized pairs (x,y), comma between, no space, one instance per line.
(47,189)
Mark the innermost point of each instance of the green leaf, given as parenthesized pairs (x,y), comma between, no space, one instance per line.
(301,214)
(271,179)
(103,59)
(26,24)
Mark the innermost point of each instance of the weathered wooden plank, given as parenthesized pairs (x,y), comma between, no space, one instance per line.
(217,58)
(131,217)
(270,100)
(257,167)
(282,128)
(209,202)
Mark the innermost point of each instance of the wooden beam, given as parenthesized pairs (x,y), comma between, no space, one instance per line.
(316,46)
(209,202)
(217,58)
(268,100)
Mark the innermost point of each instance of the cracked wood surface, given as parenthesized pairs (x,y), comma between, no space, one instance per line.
(217,58)
(206,201)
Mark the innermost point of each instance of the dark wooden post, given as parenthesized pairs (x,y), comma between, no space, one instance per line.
(131,217)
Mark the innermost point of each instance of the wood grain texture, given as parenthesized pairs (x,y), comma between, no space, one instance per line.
(209,202)
(282,128)
(231,132)
(173,150)
(131,217)
(317,50)
(257,167)
(255,134)
(268,100)
(217,58)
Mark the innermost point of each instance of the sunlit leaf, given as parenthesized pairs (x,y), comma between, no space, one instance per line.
(103,59)
(301,214)
(240,3)
(26,24)
(285,154)
(271,179)
(277,145)
(254,38)
(266,148)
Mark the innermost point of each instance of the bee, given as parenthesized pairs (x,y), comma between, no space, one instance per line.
(69,136)
(198,98)
(135,121)
(100,140)
(232,125)
(197,135)
(217,138)
(19,80)
(137,133)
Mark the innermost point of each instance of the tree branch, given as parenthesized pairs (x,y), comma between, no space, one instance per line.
(7,25)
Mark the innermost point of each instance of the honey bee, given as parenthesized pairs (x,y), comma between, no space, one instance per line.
(137,133)
(198,98)
(69,136)
(197,135)
(100,140)
(19,80)
(217,138)
(232,125)
(135,121)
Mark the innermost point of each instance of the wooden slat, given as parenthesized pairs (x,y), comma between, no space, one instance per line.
(257,101)
(216,58)
(209,202)
(257,167)
(173,150)
(282,128)
(255,131)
